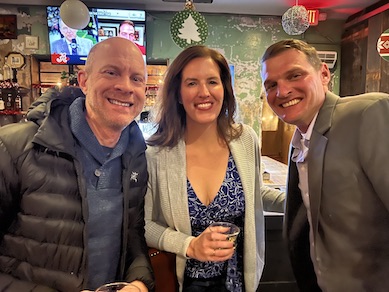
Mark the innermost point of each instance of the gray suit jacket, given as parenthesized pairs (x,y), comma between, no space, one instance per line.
(83,46)
(348,177)
(166,207)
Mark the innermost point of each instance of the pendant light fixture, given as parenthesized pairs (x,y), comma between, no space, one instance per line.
(74,13)
(295,20)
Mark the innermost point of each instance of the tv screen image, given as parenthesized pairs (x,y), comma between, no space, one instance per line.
(71,46)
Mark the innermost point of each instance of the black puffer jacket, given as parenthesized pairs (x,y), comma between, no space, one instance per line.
(43,207)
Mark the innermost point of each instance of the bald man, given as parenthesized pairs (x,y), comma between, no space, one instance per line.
(73,182)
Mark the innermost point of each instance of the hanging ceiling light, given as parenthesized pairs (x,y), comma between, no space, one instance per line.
(295,20)
(74,13)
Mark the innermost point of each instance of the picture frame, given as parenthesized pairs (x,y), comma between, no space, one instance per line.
(15,60)
(8,26)
(102,38)
(109,31)
(32,42)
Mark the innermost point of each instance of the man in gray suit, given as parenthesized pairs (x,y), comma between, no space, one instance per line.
(71,44)
(337,218)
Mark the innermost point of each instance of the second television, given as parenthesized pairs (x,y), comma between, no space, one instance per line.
(71,46)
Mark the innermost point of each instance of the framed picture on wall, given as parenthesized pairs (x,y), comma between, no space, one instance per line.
(8,26)
(109,31)
(32,42)
(15,60)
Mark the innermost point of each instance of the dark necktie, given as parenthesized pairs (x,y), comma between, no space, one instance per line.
(73,45)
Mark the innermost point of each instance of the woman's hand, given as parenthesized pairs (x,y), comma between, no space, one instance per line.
(211,245)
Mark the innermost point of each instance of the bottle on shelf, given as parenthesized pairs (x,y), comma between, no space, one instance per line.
(9,102)
(2,105)
(18,103)
(7,71)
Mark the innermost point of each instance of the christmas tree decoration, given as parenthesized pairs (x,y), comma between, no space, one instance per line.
(295,20)
(188,27)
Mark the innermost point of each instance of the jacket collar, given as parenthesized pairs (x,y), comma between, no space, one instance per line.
(318,144)
(51,113)
(296,215)
(324,119)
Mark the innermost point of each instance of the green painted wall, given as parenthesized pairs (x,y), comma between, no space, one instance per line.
(241,38)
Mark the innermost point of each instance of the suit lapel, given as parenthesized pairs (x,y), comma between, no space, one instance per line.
(65,47)
(315,175)
(296,213)
(316,153)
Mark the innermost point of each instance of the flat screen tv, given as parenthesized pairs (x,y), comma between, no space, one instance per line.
(70,46)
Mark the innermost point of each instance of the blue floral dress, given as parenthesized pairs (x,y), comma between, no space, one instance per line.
(228,206)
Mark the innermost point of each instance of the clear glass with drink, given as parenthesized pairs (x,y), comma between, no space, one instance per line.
(231,230)
(114,287)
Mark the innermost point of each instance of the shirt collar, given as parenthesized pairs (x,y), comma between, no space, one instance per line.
(307,135)
(86,138)
(300,142)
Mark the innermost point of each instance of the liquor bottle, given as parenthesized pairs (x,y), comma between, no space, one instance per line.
(18,103)
(2,105)
(9,102)
(7,71)
(1,75)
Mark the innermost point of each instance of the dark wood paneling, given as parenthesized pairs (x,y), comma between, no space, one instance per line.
(384,85)
(353,60)
(373,59)
(363,70)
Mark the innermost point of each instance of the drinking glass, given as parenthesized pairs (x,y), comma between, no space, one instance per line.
(232,231)
(111,287)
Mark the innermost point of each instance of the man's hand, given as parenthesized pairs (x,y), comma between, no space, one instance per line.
(135,286)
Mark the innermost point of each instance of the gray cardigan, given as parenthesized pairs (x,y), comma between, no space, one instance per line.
(166,207)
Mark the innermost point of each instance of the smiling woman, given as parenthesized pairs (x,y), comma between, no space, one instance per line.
(212,164)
